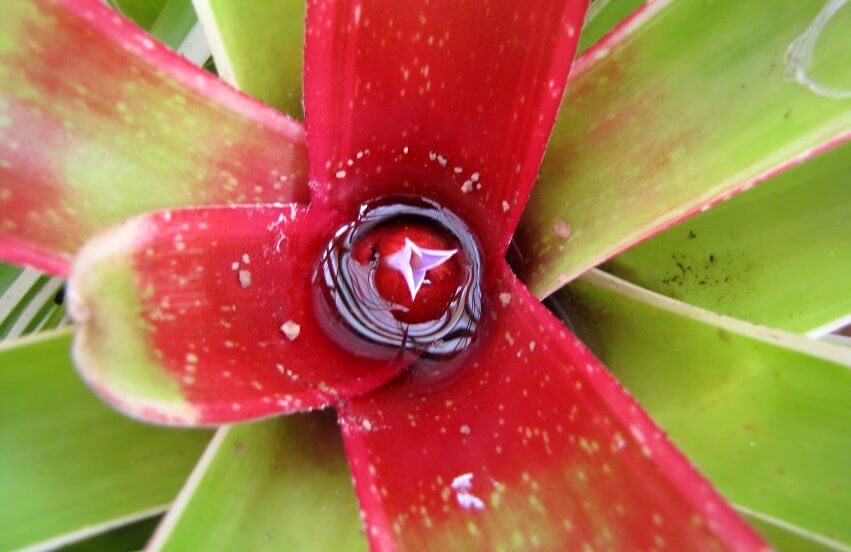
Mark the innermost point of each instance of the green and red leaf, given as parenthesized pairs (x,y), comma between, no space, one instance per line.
(205,316)
(121,127)
(683,105)
(531,444)
(450,100)
(763,413)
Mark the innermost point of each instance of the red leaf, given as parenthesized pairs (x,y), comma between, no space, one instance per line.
(98,122)
(205,316)
(534,445)
(450,100)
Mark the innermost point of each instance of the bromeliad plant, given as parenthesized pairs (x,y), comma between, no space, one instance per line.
(358,262)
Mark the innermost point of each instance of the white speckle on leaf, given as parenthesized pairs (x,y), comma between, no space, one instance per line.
(505,206)
(465,429)
(561,229)
(505,299)
(245,278)
(290,329)
(467,186)
(340,174)
(474,177)
(246,259)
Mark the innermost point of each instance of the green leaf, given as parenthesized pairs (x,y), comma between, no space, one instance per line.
(174,22)
(602,16)
(258,47)
(687,103)
(787,538)
(778,255)
(762,413)
(142,12)
(71,467)
(124,539)
(29,302)
(279,484)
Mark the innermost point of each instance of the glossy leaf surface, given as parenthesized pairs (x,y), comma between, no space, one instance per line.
(398,100)
(279,484)
(205,316)
(778,255)
(685,104)
(258,47)
(71,466)
(125,126)
(762,413)
(531,444)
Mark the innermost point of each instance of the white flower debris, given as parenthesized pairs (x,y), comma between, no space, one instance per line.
(465,429)
(467,501)
(505,206)
(341,174)
(505,299)
(290,329)
(245,278)
(246,259)
(463,482)
(462,486)
(467,186)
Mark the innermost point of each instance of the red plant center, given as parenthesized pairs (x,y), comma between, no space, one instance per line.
(404,275)
(434,260)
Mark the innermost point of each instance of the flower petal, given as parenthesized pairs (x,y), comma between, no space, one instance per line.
(205,316)
(99,122)
(450,100)
(536,445)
